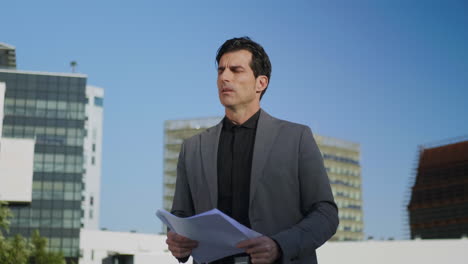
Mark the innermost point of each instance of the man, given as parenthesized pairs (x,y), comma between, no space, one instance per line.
(266,173)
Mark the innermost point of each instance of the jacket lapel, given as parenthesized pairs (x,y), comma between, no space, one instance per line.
(264,139)
(209,156)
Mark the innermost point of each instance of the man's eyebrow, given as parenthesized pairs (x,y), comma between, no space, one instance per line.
(232,67)
(236,67)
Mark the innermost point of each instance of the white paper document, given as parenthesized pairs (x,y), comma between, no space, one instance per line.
(217,234)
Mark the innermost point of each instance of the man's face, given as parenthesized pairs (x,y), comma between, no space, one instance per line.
(237,85)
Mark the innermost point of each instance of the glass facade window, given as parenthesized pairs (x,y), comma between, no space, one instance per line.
(98,101)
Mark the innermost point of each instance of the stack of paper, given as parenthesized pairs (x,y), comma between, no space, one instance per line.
(217,234)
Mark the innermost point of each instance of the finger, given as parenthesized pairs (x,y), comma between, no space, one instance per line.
(243,244)
(182,241)
(179,252)
(260,259)
(187,244)
(248,243)
(181,247)
(178,237)
(259,249)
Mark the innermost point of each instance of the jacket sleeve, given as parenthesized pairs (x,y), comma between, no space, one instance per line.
(182,204)
(317,205)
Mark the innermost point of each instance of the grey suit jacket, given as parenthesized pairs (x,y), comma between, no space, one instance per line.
(290,195)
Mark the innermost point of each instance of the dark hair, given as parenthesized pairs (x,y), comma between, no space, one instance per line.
(260,63)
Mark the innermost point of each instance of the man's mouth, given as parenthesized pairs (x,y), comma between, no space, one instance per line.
(227,90)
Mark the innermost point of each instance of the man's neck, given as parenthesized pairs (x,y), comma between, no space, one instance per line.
(239,116)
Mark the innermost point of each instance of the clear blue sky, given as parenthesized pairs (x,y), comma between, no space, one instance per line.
(390,75)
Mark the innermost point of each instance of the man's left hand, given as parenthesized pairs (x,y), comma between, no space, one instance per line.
(262,250)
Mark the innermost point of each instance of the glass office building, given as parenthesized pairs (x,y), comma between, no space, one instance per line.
(341,158)
(57,120)
(49,108)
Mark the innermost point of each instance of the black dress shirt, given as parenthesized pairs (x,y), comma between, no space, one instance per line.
(235,152)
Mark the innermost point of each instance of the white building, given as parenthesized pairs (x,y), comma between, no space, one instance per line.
(92,148)
(96,245)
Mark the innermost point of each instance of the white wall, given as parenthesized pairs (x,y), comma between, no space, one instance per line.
(152,249)
(146,248)
(449,251)
(16,163)
(92,177)
(16,169)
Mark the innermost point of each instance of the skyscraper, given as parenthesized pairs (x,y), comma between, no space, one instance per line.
(7,56)
(342,162)
(175,131)
(62,117)
(341,158)
(439,197)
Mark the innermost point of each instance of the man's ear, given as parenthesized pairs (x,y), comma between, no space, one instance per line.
(262,83)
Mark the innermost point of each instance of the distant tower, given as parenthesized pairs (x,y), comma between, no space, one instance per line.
(342,162)
(73,65)
(7,56)
(175,131)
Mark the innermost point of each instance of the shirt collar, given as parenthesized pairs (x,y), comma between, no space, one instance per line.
(250,123)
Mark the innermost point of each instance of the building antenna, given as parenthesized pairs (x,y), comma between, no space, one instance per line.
(73,65)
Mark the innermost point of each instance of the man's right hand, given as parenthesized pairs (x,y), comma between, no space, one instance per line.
(180,246)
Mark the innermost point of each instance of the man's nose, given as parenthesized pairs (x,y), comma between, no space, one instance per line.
(225,76)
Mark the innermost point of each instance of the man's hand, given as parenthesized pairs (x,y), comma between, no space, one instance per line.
(180,246)
(262,250)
